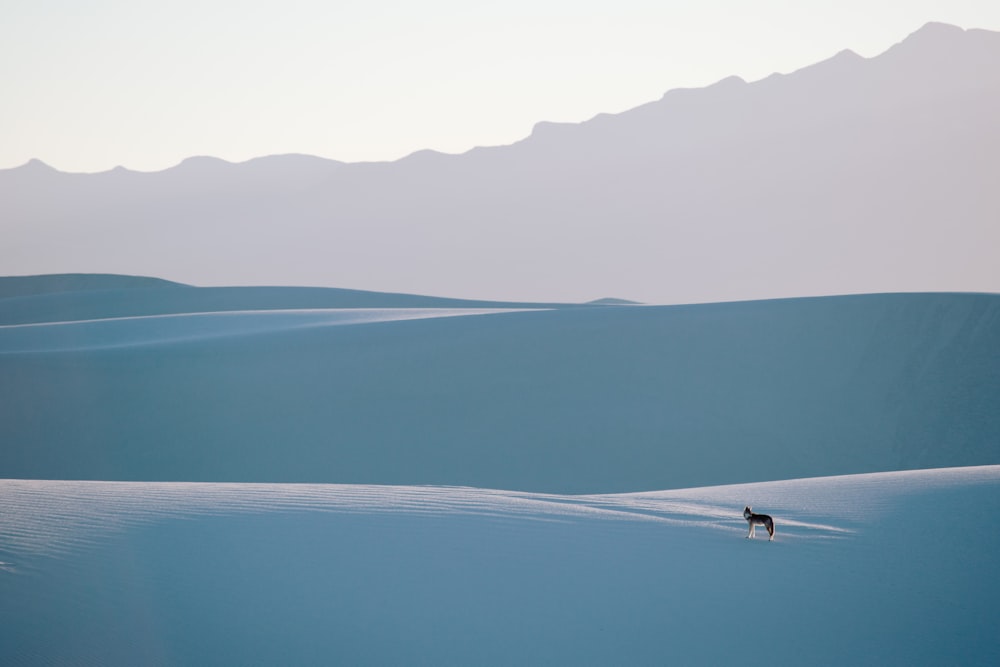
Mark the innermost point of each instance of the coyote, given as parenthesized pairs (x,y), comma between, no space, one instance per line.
(758,519)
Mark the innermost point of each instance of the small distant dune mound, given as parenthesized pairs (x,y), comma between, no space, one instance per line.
(14,286)
(612,301)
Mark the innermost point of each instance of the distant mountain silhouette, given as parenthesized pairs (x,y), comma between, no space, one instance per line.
(851,175)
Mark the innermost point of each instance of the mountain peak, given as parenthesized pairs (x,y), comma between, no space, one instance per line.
(938,28)
(36,165)
(299,159)
(934,33)
(203,161)
(729,82)
(199,164)
(847,55)
(547,125)
(425,154)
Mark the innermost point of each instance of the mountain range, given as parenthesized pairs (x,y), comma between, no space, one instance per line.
(852,175)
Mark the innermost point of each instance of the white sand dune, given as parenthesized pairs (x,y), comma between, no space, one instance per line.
(890,569)
(210,560)
(561,399)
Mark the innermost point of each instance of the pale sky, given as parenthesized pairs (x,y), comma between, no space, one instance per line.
(87,86)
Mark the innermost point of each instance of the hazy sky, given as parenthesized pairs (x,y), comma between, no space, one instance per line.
(90,85)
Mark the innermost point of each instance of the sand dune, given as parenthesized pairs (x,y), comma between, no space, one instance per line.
(893,568)
(381,484)
(578,400)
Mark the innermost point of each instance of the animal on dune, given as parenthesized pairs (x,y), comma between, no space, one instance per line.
(758,520)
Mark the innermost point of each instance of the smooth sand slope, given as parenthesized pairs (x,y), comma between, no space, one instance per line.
(887,569)
(566,400)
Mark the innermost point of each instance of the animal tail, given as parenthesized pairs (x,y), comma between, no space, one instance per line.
(770,527)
